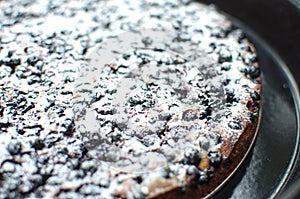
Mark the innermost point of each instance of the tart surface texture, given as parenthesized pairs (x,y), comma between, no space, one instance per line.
(122,99)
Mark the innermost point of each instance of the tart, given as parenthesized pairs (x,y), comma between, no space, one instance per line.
(123,99)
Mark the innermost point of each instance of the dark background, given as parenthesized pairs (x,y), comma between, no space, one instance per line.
(276,21)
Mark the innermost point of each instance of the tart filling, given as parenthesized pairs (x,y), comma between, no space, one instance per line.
(170,108)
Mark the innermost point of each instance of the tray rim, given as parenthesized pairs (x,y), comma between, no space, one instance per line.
(295,95)
(294,90)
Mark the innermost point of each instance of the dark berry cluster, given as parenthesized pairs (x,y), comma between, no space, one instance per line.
(191,156)
(215,158)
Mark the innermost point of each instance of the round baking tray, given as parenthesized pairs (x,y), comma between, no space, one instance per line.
(268,168)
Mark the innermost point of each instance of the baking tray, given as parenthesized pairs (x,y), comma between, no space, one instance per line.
(272,165)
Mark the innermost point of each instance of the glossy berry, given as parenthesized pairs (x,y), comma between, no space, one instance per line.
(116,137)
(205,114)
(213,46)
(215,158)
(252,72)
(12,62)
(135,100)
(255,96)
(230,97)
(14,147)
(147,41)
(10,53)
(32,60)
(219,32)
(203,99)
(225,81)
(38,144)
(203,177)
(236,125)
(191,156)
(192,171)
(204,143)
(149,104)
(224,56)
(215,138)
(226,66)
